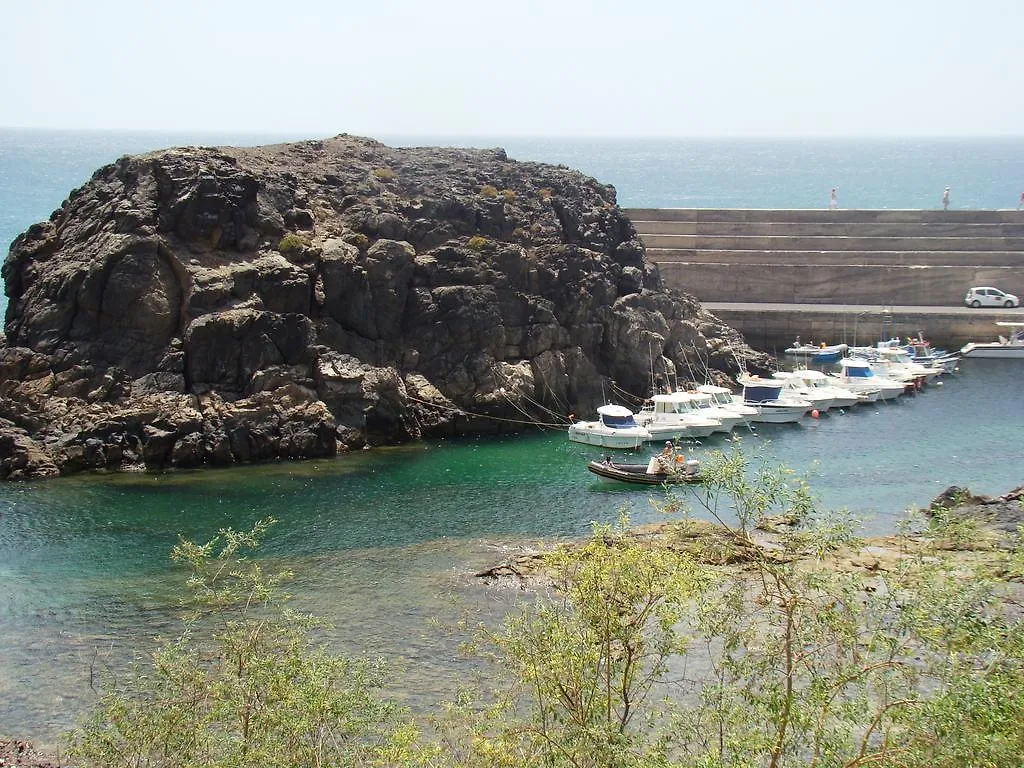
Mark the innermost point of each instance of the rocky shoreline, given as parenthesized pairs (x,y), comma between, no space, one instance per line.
(15,753)
(210,306)
(708,543)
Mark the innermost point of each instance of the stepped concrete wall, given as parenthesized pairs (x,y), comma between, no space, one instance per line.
(866,260)
(927,258)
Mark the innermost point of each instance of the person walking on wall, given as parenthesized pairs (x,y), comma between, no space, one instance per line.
(945,200)
(833,200)
(1020,205)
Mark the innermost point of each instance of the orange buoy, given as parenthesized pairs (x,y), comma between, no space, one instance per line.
(815,414)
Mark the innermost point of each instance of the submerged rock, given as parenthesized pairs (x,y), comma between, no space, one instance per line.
(214,305)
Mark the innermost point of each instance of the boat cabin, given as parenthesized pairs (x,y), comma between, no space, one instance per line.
(616,417)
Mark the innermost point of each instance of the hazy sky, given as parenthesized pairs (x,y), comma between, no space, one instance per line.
(517,67)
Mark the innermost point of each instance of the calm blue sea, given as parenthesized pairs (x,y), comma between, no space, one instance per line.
(381,541)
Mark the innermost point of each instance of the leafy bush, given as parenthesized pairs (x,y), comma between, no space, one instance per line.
(384,174)
(509,195)
(488,190)
(476,242)
(244,684)
(794,661)
(292,242)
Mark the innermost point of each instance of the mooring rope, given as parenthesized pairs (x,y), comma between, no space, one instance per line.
(464,412)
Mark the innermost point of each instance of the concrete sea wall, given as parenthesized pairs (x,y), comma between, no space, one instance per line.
(819,273)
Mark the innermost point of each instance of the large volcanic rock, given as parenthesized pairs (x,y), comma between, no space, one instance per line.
(215,305)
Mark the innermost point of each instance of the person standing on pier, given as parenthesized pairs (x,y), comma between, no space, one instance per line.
(833,200)
(945,200)
(1020,205)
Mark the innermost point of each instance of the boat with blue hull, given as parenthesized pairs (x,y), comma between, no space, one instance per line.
(822,353)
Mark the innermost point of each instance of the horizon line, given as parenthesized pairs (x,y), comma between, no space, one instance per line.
(314,136)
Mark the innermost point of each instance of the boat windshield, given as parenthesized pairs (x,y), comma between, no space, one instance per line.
(859,372)
(618,422)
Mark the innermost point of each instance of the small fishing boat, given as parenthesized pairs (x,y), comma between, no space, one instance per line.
(684,471)
(857,376)
(822,353)
(816,381)
(1011,346)
(615,428)
(773,405)
(675,416)
(724,398)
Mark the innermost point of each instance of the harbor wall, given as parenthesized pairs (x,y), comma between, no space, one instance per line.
(772,328)
(889,257)
(875,263)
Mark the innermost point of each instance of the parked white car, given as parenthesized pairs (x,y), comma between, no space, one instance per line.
(990,297)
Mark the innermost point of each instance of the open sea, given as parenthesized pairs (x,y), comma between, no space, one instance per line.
(383,542)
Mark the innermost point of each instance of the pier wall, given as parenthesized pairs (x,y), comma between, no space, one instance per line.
(772,327)
(775,274)
(888,257)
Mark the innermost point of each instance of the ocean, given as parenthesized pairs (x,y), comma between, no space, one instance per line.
(382,541)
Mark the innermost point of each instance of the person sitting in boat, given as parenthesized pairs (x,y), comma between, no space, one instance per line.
(664,462)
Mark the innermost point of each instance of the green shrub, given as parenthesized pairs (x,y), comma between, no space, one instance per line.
(488,190)
(384,174)
(245,684)
(509,195)
(476,242)
(292,242)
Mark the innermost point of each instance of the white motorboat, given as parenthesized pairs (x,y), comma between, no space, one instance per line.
(795,386)
(1008,347)
(773,406)
(857,376)
(706,405)
(895,363)
(674,417)
(615,427)
(816,381)
(922,352)
(724,398)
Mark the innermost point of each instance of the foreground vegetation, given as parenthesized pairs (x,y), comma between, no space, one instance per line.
(632,651)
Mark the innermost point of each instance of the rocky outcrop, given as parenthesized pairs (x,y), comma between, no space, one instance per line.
(1002,513)
(214,305)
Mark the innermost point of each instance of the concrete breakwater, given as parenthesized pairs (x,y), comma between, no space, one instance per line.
(834,274)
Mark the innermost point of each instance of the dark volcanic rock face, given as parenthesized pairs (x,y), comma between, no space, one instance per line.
(205,305)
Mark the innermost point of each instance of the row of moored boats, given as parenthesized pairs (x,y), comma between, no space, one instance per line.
(866,375)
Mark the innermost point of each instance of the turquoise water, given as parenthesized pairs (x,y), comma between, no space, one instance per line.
(381,540)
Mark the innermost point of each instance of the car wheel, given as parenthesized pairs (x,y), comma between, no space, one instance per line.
(1008,304)
(975,303)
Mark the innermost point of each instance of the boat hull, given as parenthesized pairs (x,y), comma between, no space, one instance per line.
(584,432)
(998,351)
(637,474)
(778,414)
(662,431)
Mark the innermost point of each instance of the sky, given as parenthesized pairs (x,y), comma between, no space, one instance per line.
(516,67)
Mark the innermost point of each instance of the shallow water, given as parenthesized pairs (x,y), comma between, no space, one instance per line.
(384,541)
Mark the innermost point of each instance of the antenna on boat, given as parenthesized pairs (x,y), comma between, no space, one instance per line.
(650,355)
